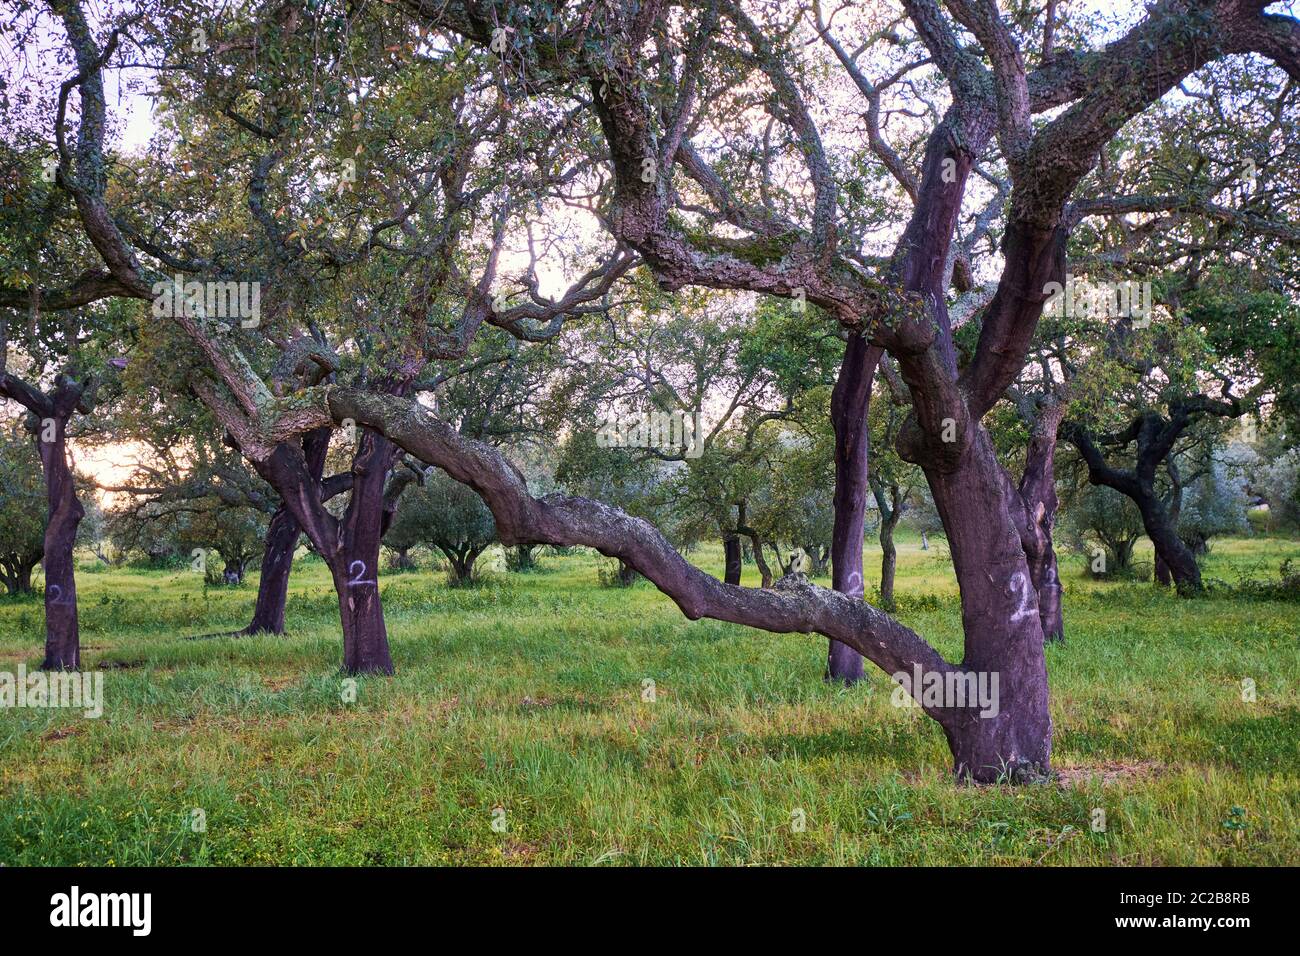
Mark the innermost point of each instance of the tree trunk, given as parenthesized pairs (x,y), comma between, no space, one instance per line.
(462,559)
(1177,557)
(888,561)
(1038,492)
(626,574)
(731,552)
(62,639)
(1163,577)
(355,564)
(521,557)
(282,536)
(760,560)
(1000,619)
(273,584)
(18,575)
(849,405)
(233,573)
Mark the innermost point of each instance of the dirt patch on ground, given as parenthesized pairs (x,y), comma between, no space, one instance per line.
(1108,773)
(60,733)
(518,852)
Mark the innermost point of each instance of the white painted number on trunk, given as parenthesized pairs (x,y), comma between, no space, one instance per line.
(358,569)
(1020,589)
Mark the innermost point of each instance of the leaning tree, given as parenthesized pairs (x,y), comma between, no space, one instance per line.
(376,241)
(707,200)
(650,71)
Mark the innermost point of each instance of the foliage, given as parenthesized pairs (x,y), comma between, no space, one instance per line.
(444,514)
(22,508)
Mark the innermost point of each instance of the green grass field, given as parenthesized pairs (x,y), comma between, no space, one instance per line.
(525,693)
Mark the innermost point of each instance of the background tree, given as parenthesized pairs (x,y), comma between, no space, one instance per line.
(444,514)
(1099,514)
(22,509)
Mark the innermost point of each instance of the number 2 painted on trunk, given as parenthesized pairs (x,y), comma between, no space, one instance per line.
(1020,588)
(357,569)
(57,596)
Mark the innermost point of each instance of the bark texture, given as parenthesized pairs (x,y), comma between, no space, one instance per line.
(850,401)
(62,635)
(282,536)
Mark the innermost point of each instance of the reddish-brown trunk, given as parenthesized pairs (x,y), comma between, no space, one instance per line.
(849,405)
(355,563)
(273,585)
(62,638)
(1000,620)
(281,544)
(1179,562)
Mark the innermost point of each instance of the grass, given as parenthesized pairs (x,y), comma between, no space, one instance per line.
(526,694)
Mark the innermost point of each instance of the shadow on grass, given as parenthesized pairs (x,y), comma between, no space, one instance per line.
(1265,744)
(904,746)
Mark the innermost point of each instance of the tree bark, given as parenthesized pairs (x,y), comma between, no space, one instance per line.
(626,574)
(888,567)
(888,563)
(760,560)
(62,637)
(462,559)
(281,543)
(1177,558)
(1038,492)
(233,573)
(522,558)
(731,552)
(889,501)
(1000,619)
(273,584)
(849,406)
(1154,437)
(354,565)
(18,574)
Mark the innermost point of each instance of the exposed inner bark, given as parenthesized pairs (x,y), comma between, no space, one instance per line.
(273,584)
(354,563)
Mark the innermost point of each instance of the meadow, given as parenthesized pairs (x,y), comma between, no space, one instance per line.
(519,729)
